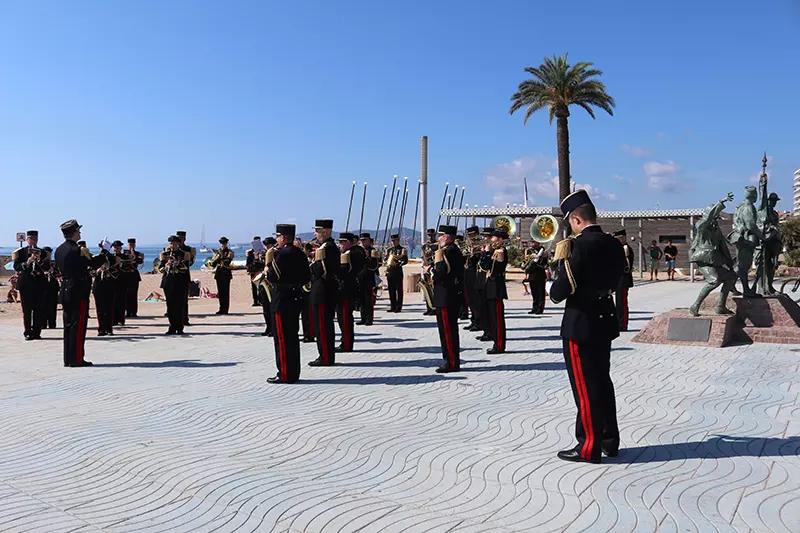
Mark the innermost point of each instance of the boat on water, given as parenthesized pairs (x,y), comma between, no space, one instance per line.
(203,247)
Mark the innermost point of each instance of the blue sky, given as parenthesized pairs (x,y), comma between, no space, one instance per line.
(141,118)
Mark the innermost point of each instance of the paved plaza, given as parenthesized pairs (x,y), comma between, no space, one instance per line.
(170,434)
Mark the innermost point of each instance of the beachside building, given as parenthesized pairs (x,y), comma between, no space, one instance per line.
(796,210)
(642,227)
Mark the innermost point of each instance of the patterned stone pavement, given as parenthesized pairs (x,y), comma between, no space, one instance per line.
(183,434)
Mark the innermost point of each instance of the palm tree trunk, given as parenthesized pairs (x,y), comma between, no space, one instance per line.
(562,138)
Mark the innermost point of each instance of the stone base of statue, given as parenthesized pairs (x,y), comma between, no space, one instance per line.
(771,319)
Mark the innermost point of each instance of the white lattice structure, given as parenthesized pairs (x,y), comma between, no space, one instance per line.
(520,211)
(796,209)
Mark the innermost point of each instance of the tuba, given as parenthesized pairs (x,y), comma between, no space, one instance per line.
(544,229)
(505,222)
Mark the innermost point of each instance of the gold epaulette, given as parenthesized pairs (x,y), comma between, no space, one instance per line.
(319,254)
(499,255)
(405,251)
(344,259)
(15,254)
(563,249)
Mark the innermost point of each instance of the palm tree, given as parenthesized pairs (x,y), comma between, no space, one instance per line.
(557,85)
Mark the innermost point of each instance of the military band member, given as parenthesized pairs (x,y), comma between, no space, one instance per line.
(262,284)
(288,272)
(31,266)
(254,266)
(463,313)
(189,254)
(366,280)
(396,257)
(103,290)
(221,264)
(471,280)
(306,312)
(174,266)
(324,291)
(426,283)
(120,285)
(480,286)
(351,264)
(74,262)
(625,282)
(448,275)
(536,274)
(51,291)
(495,261)
(131,260)
(590,267)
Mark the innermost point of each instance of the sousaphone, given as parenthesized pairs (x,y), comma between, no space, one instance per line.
(505,222)
(544,229)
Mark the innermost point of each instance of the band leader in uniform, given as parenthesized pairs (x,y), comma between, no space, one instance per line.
(590,267)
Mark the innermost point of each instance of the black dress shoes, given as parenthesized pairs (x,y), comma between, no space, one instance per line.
(82,363)
(307,339)
(340,349)
(267,333)
(169,332)
(101,333)
(484,338)
(446,369)
(609,452)
(574,456)
(494,351)
(318,362)
(276,379)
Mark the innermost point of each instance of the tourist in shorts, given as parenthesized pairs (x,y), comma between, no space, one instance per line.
(670,253)
(655,257)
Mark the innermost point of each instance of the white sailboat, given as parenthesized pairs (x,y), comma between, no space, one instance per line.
(203,247)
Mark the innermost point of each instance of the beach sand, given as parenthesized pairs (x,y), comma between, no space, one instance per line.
(241,298)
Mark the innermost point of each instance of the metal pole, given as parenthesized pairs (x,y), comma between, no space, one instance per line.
(444,197)
(380,215)
(389,209)
(641,251)
(691,237)
(423,180)
(361,219)
(416,210)
(349,209)
(403,212)
(449,205)
(394,210)
(460,205)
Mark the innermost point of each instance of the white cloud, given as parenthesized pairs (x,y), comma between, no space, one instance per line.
(506,182)
(662,177)
(636,151)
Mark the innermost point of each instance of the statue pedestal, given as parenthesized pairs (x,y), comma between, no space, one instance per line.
(772,319)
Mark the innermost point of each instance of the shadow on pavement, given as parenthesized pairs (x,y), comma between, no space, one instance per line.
(423,363)
(382,380)
(181,363)
(717,447)
(516,367)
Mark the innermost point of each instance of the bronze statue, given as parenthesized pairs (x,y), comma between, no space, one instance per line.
(710,253)
(746,237)
(771,246)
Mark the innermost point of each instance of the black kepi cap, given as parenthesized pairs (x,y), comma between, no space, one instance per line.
(323,223)
(431,231)
(346,236)
(131,241)
(620,233)
(285,230)
(180,233)
(503,234)
(32,233)
(366,236)
(223,240)
(116,243)
(459,237)
(472,229)
(270,240)
(395,235)
(574,200)
(487,231)
(70,225)
(448,230)
(173,238)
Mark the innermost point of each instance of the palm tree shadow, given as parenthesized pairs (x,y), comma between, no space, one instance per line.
(382,380)
(716,447)
(181,363)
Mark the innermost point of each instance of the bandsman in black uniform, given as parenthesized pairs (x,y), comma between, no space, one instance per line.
(74,262)
(591,264)
(31,266)
(351,264)
(51,291)
(429,249)
(480,285)
(448,275)
(396,257)
(306,312)
(463,313)
(189,253)
(221,263)
(495,261)
(625,282)
(103,288)
(471,279)
(120,285)
(131,260)
(254,265)
(264,288)
(536,274)
(324,292)
(366,280)
(174,265)
(288,273)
